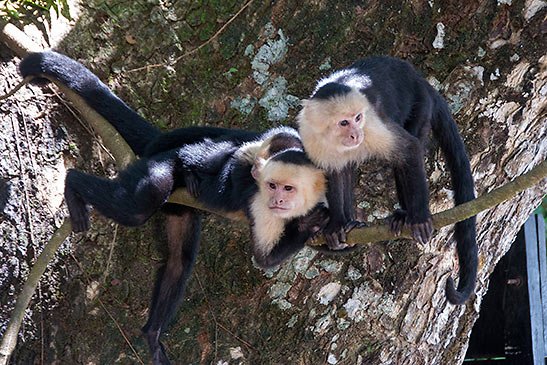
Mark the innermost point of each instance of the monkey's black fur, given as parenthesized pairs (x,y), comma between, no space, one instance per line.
(207,160)
(409,107)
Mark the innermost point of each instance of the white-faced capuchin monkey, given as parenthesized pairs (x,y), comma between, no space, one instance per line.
(380,108)
(265,174)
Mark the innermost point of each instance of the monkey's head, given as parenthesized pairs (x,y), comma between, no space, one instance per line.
(289,184)
(331,124)
(337,112)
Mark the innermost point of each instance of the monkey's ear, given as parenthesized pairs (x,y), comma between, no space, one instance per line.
(257,167)
(254,172)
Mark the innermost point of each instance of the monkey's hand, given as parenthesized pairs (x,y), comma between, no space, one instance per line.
(315,221)
(420,231)
(79,214)
(335,236)
(396,221)
(340,249)
(191,181)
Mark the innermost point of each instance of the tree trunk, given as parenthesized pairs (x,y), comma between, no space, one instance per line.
(385,303)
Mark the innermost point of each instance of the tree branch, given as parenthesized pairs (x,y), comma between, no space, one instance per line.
(461,212)
(9,340)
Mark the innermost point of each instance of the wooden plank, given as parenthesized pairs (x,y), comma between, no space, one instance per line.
(540,226)
(534,291)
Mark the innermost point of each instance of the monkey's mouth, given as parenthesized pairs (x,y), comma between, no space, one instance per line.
(349,147)
(276,208)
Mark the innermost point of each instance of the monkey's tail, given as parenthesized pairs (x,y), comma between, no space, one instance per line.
(134,129)
(446,132)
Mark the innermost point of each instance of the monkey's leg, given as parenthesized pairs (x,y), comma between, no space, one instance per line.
(334,232)
(348,177)
(191,181)
(183,231)
(130,199)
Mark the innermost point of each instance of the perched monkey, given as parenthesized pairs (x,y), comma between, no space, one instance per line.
(222,174)
(380,108)
(267,175)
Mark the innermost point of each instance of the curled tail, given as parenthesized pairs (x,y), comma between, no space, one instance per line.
(446,132)
(134,129)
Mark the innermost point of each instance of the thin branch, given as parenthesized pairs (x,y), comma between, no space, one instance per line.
(9,339)
(459,213)
(172,62)
(89,281)
(117,147)
(249,346)
(25,81)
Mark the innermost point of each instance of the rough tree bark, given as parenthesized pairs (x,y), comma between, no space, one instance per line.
(384,304)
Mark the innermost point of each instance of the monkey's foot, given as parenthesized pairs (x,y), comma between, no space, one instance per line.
(335,240)
(192,183)
(396,221)
(420,232)
(79,214)
(159,357)
(354,224)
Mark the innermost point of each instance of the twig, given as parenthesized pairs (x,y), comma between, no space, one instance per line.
(166,63)
(210,312)
(109,260)
(107,312)
(215,320)
(25,81)
(33,159)
(84,125)
(42,330)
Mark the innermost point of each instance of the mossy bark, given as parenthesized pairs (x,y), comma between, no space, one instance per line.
(383,304)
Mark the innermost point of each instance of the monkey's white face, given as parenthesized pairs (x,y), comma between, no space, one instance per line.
(343,129)
(348,129)
(283,197)
(290,190)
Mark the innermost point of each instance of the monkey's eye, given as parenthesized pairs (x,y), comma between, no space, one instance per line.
(272,186)
(358,117)
(344,123)
(288,187)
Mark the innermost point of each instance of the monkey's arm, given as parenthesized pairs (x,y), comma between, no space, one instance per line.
(296,233)
(334,232)
(412,192)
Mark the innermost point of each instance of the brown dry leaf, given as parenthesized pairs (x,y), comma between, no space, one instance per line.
(129,39)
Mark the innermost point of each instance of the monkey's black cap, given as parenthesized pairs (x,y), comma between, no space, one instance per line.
(330,90)
(292,156)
